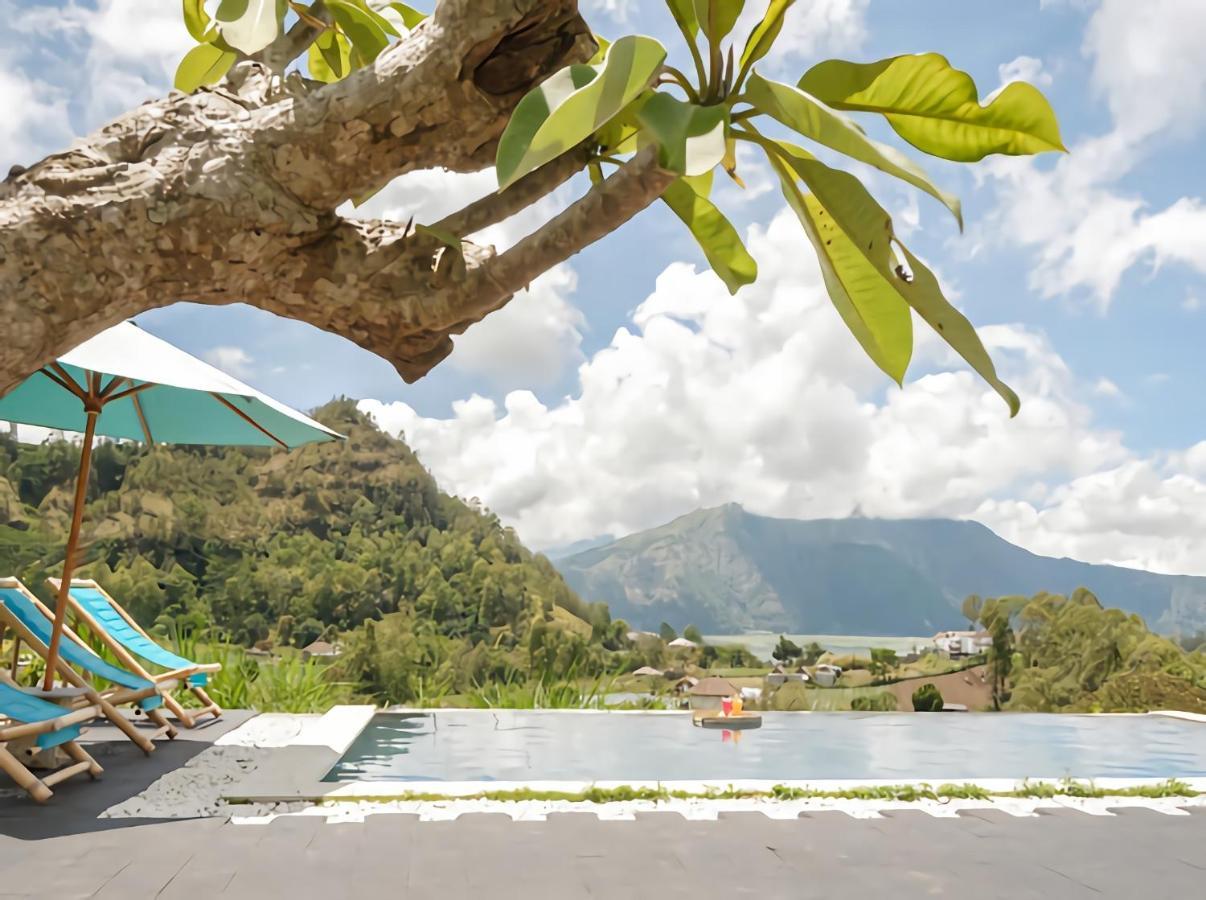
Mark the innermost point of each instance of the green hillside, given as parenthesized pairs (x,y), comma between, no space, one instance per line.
(727,571)
(350,539)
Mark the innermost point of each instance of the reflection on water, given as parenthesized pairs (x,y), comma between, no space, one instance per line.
(526,745)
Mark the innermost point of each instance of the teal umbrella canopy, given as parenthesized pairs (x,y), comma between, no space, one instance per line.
(156,393)
(126,383)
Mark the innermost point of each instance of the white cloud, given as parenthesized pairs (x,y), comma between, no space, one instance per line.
(814,29)
(1086,231)
(618,11)
(232,360)
(1146,513)
(1023,68)
(34,119)
(1106,388)
(765,399)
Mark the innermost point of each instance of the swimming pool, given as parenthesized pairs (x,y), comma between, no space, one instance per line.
(551,745)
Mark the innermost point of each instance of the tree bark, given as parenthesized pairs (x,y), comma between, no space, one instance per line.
(229,195)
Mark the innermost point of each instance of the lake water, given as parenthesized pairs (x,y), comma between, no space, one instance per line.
(548,745)
(761,644)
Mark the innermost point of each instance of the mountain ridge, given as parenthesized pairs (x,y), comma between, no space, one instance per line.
(726,570)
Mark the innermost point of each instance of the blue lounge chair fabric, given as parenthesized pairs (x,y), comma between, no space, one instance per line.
(32,618)
(115,624)
(21,707)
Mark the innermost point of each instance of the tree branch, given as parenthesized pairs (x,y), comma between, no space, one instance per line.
(498,206)
(288,46)
(601,211)
(227,195)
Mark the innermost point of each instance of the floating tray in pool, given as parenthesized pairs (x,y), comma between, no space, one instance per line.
(731,723)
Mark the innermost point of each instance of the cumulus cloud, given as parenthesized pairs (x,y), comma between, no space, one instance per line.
(765,399)
(1146,513)
(233,360)
(1085,230)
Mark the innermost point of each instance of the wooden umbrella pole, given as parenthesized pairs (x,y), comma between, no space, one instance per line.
(92,410)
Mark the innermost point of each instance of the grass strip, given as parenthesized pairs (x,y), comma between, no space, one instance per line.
(907,793)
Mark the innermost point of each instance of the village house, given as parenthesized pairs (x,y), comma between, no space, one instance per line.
(959,644)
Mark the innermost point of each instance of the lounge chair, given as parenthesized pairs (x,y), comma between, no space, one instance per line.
(23,716)
(119,632)
(31,622)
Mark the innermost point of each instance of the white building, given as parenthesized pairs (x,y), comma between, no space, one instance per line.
(957,644)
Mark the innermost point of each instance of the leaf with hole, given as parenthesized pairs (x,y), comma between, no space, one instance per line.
(855,234)
(811,118)
(936,107)
(573,104)
(876,315)
(719,240)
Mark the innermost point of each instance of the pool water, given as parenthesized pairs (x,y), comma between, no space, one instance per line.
(548,745)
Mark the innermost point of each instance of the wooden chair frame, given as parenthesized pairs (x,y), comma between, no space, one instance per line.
(187,718)
(107,700)
(40,788)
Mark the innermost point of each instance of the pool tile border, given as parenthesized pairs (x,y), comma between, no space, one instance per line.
(304,755)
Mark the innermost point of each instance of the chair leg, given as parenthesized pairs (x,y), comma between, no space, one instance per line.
(114,715)
(79,754)
(165,727)
(185,718)
(25,779)
(210,706)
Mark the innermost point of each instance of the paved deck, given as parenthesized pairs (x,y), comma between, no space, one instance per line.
(63,851)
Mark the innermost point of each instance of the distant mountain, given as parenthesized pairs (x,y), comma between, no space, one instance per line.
(561,551)
(726,570)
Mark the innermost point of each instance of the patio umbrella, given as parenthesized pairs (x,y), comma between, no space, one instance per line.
(126,383)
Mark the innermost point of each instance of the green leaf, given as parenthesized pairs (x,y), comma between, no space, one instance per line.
(601,53)
(367,31)
(329,57)
(936,108)
(684,14)
(810,117)
(691,138)
(763,37)
(855,234)
(410,16)
(249,25)
(717,237)
(875,313)
(573,104)
(197,21)
(622,134)
(204,64)
(717,17)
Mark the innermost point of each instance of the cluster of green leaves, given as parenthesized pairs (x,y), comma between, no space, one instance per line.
(350,541)
(621,102)
(1069,654)
(343,35)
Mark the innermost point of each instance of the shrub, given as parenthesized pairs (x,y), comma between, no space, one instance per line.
(883,701)
(927,698)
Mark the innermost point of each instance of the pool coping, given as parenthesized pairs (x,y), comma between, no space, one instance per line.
(302,759)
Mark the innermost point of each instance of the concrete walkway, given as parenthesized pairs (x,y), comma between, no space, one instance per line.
(660,855)
(62,850)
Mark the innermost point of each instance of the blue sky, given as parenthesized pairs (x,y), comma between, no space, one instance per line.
(627,389)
